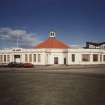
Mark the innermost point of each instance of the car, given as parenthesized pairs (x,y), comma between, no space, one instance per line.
(28,65)
(15,64)
(3,65)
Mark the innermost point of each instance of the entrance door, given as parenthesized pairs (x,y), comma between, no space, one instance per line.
(17,58)
(55,60)
(65,61)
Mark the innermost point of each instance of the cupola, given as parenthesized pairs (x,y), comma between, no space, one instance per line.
(52,34)
(52,42)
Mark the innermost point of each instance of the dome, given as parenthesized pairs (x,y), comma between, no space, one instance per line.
(52,42)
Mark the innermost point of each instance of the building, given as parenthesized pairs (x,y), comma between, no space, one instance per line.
(52,51)
(94,45)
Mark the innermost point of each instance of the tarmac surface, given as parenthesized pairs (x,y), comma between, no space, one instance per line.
(53,85)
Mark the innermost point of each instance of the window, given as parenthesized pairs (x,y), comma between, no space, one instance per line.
(30,57)
(85,57)
(16,56)
(26,58)
(51,33)
(4,58)
(103,57)
(39,57)
(100,58)
(95,57)
(1,58)
(73,57)
(8,58)
(34,58)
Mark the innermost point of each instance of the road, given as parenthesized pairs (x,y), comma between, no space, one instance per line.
(53,87)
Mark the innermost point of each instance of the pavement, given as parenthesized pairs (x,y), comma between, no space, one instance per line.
(82,69)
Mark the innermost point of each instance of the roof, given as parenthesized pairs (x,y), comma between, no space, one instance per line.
(52,43)
(95,44)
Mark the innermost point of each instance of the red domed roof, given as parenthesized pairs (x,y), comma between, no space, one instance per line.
(52,43)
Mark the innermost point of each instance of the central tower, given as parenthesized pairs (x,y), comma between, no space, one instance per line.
(52,34)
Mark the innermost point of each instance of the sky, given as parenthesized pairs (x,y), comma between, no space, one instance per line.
(29,21)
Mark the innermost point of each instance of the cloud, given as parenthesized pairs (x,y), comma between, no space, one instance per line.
(10,35)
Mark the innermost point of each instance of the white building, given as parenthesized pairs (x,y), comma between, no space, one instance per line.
(53,51)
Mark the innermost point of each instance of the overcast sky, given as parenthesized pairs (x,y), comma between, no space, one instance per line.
(75,21)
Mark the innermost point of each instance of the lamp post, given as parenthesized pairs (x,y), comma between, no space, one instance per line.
(17,41)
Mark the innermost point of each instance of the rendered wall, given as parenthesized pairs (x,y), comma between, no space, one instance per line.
(47,55)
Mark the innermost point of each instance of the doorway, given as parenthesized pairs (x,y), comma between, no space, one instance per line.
(55,60)
(17,58)
(64,61)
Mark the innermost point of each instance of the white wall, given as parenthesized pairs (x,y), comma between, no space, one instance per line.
(78,56)
(47,55)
